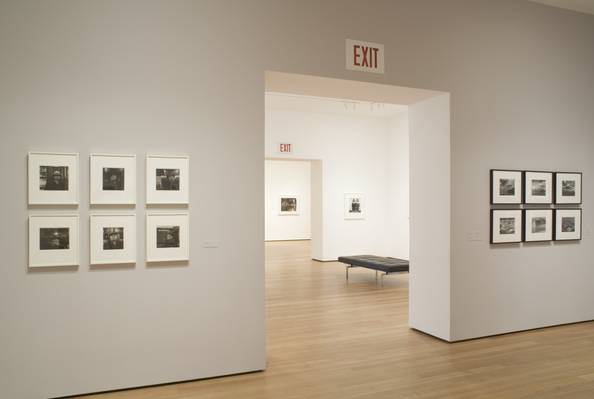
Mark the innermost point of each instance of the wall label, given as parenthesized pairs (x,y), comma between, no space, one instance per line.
(364,56)
(285,148)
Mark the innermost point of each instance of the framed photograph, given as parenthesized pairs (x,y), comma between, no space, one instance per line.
(53,178)
(354,206)
(53,240)
(538,187)
(568,224)
(506,186)
(506,226)
(289,205)
(568,188)
(113,179)
(167,179)
(538,225)
(167,237)
(113,239)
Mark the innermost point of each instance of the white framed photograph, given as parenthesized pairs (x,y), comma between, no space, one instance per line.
(506,226)
(568,224)
(354,206)
(113,239)
(53,240)
(167,179)
(538,225)
(167,236)
(568,188)
(53,178)
(113,179)
(289,205)
(538,187)
(506,186)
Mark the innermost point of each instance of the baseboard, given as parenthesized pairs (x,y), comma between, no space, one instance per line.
(293,239)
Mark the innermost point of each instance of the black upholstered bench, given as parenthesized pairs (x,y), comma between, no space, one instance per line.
(386,265)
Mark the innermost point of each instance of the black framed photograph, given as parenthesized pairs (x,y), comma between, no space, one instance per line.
(568,188)
(506,186)
(506,226)
(568,224)
(538,187)
(538,225)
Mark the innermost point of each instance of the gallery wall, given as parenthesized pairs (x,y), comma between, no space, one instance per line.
(287,178)
(354,153)
(188,77)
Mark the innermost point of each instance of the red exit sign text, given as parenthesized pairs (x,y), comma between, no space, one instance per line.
(364,56)
(285,148)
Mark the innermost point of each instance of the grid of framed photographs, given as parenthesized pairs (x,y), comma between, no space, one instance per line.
(535,206)
(53,184)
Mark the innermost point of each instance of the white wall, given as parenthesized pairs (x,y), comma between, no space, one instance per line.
(354,152)
(429,290)
(399,170)
(287,178)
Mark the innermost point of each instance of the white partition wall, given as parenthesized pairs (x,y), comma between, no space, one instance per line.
(429,291)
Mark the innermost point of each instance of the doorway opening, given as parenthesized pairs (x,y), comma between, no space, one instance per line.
(368,172)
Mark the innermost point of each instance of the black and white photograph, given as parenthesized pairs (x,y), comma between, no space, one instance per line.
(568,188)
(538,187)
(53,240)
(113,238)
(288,204)
(167,236)
(506,186)
(568,224)
(113,179)
(538,225)
(53,178)
(167,179)
(506,226)
(354,206)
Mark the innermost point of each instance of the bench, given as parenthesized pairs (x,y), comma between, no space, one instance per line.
(386,265)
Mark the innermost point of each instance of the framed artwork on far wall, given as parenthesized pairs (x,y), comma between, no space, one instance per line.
(506,226)
(568,224)
(113,179)
(113,239)
(538,225)
(289,205)
(568,188)
(354,206)
(167,237)
(167,179)
(53,240)
(506,186)
(53,178)
(538,187)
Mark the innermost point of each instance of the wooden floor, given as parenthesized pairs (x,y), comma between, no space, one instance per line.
(327,339)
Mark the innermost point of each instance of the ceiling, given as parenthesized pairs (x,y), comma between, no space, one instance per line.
(586,6)
(326,105)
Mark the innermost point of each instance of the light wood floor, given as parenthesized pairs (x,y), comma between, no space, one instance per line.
(327,339)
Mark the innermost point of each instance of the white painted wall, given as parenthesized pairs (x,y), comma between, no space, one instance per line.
(287,178)
(429,281)
(355,153)
(399,171)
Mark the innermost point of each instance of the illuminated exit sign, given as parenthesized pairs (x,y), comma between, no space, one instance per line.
(285,148)
(364,56)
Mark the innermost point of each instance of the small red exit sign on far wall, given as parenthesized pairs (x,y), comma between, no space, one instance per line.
(285,148)
(364,56)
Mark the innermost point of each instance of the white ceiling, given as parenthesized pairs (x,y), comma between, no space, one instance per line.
(326,105)
(586,6)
